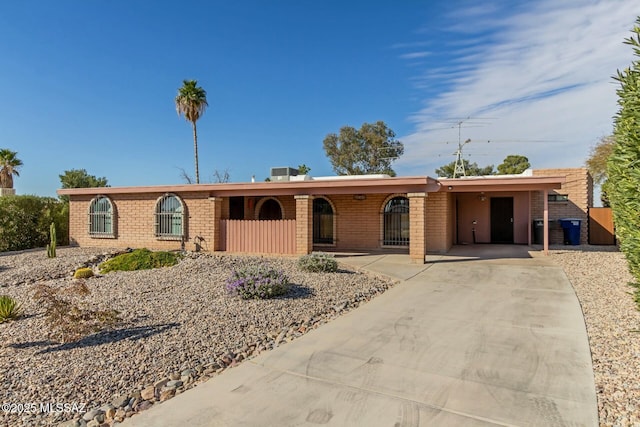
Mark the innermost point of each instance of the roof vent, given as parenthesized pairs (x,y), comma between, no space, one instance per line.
(283,173)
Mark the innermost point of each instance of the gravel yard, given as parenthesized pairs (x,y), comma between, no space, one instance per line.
(600,278)
(179,327)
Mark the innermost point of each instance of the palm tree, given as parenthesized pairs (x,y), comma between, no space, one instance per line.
(9,165)
(191,102)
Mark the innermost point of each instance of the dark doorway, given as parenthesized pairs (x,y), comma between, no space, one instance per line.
(502,220)
(236,207)
(322,221)
(270,209)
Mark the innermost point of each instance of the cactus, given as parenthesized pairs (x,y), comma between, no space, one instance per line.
(51,247)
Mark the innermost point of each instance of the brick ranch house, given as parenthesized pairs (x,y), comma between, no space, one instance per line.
(415,215)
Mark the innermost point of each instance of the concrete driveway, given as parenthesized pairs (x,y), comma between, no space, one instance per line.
(486,335)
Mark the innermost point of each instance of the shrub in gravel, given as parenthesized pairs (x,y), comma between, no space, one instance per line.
(83,273)
(318,262)
(66,320)
(622,170)
(9,308)
(140,259)
(257,280)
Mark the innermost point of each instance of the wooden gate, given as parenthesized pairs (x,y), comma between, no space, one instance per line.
(601,230)
(258,236)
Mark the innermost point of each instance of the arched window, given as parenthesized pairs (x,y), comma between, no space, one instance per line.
(169,217)
(396,222)
(101,217)
(322,221)
(270,209)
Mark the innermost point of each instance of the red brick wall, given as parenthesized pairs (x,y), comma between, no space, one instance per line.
(440,210)
(358,223)
(579,188)
(135,221)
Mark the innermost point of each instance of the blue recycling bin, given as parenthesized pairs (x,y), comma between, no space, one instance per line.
(571,229)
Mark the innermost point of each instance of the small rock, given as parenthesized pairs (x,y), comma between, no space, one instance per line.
(120,414)
(148,393)
(120,402)
(188,373)
(88,416)
(174,376)
(159,384)
(167,393)
(143,406)
(174,384)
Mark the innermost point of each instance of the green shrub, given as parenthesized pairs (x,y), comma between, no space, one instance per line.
(83,273)
(25,222)
(622,165)
(139,259)
(257,280)
(9,308)
(318,262)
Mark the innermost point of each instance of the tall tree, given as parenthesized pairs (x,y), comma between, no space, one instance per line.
(9,166)
(472,169)
(370,149)
(597,161)
(191,102)
(623,165)
(513,164)
(597,165)
(79,178)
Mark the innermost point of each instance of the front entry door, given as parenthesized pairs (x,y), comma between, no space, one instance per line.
(502,220)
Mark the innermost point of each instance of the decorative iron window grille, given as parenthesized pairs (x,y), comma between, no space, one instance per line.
(322,221)
(169,218)
(101,217)
(396,222)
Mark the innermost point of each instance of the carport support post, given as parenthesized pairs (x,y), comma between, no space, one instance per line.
(546,221)
(216,218)
(417,227)
(304,224)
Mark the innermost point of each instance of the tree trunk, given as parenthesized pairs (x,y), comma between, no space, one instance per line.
(6,180)
(195,151)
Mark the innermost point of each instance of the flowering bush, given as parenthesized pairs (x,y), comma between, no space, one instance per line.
(257,280)
(318,262)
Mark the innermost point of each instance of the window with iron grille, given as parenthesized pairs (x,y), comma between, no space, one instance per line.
(169,217)
(396,222)
(322,221)
(101,217)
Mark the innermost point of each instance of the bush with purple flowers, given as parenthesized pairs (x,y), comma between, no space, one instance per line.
(257,280)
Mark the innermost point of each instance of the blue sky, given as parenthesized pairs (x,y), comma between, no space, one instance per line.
(91,84)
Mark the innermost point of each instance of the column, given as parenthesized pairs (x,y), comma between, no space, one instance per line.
(545,196)
(216,244)
(304,224)
(417,227)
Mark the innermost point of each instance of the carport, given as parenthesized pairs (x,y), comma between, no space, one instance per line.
(499,209)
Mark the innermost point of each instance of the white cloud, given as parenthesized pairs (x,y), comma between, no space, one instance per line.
(414,55)
(545,76)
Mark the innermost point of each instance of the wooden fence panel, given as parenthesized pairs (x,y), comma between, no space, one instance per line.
(601,230)
(258,236)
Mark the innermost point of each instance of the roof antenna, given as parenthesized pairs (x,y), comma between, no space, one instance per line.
(458,169)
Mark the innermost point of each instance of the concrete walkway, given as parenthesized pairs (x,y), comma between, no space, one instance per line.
(486,335)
